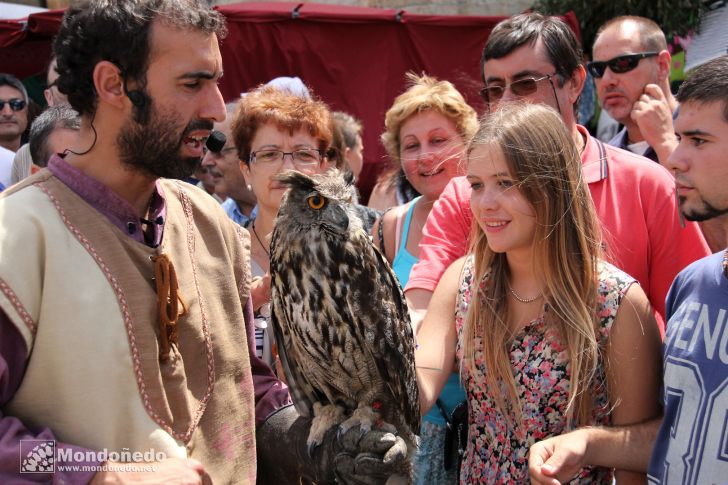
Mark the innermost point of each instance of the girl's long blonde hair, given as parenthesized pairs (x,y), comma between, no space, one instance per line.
(546,166)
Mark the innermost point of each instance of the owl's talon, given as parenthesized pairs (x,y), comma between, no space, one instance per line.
(339,434)
(311,448)
(325,416)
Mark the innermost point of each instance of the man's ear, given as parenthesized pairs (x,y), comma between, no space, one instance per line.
(664,63)
(109,84)
(575,85)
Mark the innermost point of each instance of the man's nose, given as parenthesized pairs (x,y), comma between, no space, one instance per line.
(609,78)
(214,106)
(677,162)
(209,160)
(509,95)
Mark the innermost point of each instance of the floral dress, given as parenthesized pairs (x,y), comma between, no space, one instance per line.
(541,371)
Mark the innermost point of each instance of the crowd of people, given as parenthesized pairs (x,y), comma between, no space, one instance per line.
(569,292)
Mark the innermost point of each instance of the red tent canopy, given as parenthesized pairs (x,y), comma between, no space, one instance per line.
(354,58)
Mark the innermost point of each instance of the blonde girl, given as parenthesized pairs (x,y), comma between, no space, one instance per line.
(547,335)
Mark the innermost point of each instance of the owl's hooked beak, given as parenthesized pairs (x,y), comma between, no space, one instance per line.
(337,219)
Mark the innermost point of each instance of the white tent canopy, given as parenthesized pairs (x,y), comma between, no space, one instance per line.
(12,11)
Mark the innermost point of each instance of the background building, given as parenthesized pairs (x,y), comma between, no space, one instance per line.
(439,7)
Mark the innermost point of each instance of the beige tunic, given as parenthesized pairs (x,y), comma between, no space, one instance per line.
(81,293)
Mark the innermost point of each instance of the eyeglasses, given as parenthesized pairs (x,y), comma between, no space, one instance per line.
(304,158)
(15,104)
(618,65)
(523,87)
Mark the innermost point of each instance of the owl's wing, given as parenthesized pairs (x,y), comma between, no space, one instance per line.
(283,312)
(384,313)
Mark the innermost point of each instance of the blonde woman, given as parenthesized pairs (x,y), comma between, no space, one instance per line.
(546,334)
(427,129)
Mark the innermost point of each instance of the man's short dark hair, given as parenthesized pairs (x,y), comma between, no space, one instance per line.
(13,82)
(54,117)
(118,31)
(707,83)
(562,47)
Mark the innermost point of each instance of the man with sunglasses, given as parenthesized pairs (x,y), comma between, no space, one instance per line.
(631,70)
(13,111)
(23,162)
(537,59)
(240,202)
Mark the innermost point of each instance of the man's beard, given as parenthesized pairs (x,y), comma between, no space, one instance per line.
(153,145)
(708,211)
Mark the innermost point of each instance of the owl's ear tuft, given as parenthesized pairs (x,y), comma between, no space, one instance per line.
(349,177)
(295,179)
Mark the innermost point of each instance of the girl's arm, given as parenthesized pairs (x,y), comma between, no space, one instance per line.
(634,370)
(437,337)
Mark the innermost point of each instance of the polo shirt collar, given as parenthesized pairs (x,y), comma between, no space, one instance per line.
(594,158)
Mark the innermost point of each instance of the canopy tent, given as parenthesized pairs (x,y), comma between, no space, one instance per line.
(17,11)
(354,58)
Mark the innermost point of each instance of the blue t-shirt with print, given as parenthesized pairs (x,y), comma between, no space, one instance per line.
(692,444)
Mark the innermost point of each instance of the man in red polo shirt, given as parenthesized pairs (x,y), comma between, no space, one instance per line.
(537,59)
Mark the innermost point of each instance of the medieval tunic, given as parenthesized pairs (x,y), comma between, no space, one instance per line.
(82,294)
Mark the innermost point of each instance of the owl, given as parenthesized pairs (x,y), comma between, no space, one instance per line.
(338,313)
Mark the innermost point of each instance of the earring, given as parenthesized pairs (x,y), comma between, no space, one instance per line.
(249,187)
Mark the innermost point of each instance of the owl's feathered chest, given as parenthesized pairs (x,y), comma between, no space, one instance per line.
(320,274)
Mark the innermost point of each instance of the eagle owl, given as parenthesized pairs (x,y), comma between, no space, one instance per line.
(339,316)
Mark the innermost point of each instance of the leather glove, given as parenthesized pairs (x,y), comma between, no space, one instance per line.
(353,457)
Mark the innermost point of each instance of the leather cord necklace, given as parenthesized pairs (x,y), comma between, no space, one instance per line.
(258,238)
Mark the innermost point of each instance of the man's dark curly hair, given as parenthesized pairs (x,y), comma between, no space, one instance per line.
(118,31)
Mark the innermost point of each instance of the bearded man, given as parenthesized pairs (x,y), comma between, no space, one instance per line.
(126,328)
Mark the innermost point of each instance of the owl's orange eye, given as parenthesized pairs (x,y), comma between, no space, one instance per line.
(316,202)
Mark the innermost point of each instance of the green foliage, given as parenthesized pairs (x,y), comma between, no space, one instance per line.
(675,17)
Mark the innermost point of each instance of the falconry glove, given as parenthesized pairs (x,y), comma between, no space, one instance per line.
(352,457)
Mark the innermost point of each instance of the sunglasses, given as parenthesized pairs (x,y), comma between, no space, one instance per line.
(15,104)
(618,65)
(522,87)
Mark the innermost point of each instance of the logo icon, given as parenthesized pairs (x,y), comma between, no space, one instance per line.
(37,456)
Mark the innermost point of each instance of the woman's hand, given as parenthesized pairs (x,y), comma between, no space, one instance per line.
(260,291)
